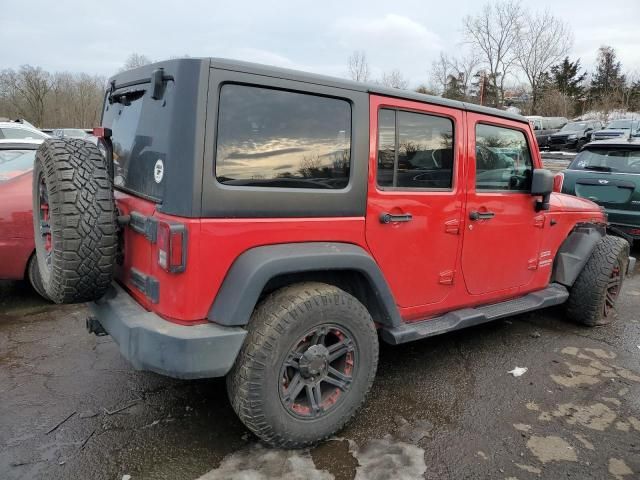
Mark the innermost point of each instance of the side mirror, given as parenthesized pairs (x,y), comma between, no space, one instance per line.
(542,184)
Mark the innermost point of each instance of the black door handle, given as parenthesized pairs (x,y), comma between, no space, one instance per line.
(389,217)
(481,215)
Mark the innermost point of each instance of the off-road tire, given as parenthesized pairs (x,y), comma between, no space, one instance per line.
(82,220)
(276,323)
(33,274)
(587,297)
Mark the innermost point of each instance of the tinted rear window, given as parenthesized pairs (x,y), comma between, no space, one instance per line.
(134,153)
(277,138)
(618,160)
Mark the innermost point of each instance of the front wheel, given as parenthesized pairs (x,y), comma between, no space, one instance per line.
(593,296)
(307,363)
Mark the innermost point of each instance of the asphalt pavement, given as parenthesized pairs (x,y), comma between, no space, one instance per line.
(442,408)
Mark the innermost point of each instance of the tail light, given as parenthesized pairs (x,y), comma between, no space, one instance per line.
(172,246)
(558,180)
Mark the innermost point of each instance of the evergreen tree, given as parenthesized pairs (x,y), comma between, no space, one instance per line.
(485,86)
(607,77)
(454,88)
(567,79)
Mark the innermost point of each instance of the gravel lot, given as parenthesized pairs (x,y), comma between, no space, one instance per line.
(71,407)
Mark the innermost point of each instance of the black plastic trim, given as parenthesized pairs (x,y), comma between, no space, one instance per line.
(252,270)
(554,294)
(574,252)
(147,284)
(151,343)
(147,226)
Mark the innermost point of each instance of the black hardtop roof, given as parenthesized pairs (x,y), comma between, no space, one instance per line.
(326,80)
(296,75)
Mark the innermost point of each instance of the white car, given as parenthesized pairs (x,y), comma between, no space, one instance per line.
(20,131)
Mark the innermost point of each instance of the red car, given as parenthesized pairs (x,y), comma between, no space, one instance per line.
(17,259)
(273,226)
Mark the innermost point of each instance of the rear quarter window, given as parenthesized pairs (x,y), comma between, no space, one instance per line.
(282,139)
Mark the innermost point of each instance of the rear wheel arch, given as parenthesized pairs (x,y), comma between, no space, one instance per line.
(262,270)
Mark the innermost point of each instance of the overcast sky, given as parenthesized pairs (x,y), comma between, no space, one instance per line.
(97,37)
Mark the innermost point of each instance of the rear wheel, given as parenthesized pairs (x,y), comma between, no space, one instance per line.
(74,220)
(306,365)
(593,296)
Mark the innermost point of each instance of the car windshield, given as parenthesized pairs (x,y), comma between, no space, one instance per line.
(574,127)
(15,162)
(620,124)
(618,160)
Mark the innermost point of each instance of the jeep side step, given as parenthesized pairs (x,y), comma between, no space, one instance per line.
(554,294)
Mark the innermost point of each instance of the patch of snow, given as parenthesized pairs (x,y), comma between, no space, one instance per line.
(387,458)
(126,477)
(259,463)
(518,371)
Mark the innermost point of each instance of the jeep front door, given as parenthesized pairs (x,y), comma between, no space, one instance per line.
(503,230)
(415,197)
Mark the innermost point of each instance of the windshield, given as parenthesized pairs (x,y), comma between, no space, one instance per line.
(617,160)
(574,127)
(15,162)
(620,124)
(20,134)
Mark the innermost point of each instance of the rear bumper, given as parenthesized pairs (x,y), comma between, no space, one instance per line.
(151,343)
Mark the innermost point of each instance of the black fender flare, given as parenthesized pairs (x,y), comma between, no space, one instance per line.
(251,271)
(574,252)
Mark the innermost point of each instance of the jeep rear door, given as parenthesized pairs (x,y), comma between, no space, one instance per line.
(415,198)
(501,241)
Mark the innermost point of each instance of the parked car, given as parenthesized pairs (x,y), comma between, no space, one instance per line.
(20,130)
(545,126)
(608,172)
(573,136)
(617,128)
(17,249)
(70,133)
(269,239)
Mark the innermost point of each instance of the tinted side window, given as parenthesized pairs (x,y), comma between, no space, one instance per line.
(415,150)
(276,138)
(503,161)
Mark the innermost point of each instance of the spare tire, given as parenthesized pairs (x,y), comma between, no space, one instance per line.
(74,218)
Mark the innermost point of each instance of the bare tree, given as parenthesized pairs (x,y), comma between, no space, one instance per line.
(27,90)
(543,42)
(135,60)
(394,79)
(441,69)
(358,67)
(465,66)
(495,32)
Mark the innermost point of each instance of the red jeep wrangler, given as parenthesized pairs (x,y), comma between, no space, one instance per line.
(267,225)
